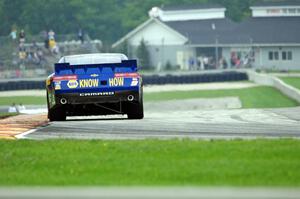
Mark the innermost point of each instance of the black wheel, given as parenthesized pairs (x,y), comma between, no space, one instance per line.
(135,110)
(57,114)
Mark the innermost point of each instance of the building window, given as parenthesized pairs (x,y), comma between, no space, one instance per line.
(273,55)
(290,55)
(276,55)
(287,55)
(284,55)
(292,11)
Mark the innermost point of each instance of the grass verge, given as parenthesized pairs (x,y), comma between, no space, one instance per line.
(150,162)
(5,115)
(26,100)
(293,81)
(255,97)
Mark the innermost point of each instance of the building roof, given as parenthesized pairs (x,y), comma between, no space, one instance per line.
(190,7)
(277,3)
(265,30)
(271,30)
(205,32)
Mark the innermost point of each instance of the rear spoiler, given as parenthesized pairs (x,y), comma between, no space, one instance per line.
(130,64)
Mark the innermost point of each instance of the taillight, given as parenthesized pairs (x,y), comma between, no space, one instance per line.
(64,77)
(127,75)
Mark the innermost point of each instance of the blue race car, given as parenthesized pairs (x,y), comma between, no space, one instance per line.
(94,84)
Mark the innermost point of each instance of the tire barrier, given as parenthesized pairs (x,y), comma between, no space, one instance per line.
(147,80)
(22,85)
(198,78)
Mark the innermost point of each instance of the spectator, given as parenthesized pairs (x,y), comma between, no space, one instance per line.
(205,62)
(46,39)
(21,107)
(13,35)
(233,59)
(80,35)
(22,52)
(222,63)
(53,46)
(52,43)
(22,36)
(191,62)
(12,108)
(40,54)
(51,35)
(201,62)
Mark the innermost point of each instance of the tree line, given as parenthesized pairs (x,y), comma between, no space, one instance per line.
(107,20)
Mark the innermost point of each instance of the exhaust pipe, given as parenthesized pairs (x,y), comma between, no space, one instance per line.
(130,98)
(63,101)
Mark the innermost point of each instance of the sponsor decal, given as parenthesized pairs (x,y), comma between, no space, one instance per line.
(88,83)
(96,94)
(51,99)
(57,86)
(116,81)
(94,75)
(72,84)
(48,82)
(134,82)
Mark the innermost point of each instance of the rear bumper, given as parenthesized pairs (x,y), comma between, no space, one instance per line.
(96,97)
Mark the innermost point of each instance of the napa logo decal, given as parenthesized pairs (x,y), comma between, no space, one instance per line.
(72,83)
(88,83)
(116,81)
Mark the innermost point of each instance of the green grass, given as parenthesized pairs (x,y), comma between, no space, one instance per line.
(5,115)
(150,162)
(255,97)
(293,81)
(26,100)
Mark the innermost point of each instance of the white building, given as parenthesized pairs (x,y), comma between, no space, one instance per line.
(185,36)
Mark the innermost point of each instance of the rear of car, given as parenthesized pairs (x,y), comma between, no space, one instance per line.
(94,84)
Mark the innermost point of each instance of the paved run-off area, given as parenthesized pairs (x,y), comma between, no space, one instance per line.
(175,123)
(189,118)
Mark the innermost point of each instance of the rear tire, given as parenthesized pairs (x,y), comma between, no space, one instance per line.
(136,110)
(57,114)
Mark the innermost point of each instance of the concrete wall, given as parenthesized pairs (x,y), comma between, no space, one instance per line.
(268,80)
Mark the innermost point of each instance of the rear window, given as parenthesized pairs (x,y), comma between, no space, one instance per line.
(93,59)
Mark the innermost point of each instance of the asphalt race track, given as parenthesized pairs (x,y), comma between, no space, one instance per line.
(169,123)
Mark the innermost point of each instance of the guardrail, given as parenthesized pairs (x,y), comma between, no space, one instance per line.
(147,80)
